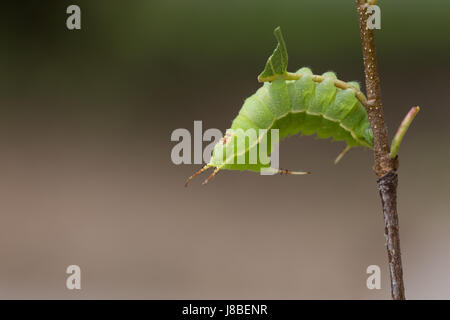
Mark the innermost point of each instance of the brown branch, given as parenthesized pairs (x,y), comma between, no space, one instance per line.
(387,186)
(384,166)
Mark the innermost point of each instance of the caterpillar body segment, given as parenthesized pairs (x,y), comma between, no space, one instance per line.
(292,106)
(292,103)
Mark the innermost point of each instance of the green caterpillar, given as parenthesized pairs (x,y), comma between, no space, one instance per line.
(292,103)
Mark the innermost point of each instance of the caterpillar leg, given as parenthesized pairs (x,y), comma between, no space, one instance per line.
(339,157)
(283,171)
(272,171)
(196,174)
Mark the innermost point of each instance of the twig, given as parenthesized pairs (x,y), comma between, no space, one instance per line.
(385,167)
(387,185)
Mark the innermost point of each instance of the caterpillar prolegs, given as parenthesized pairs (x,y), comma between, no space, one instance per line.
(293,103)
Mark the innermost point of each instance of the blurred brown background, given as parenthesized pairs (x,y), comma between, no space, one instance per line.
(87,179)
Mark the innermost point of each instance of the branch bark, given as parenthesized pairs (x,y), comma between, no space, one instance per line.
(384,167)
(387,185)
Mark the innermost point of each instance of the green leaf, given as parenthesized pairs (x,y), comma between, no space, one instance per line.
(277,63)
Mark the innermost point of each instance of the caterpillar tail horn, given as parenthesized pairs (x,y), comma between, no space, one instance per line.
(211,176)
(196,174)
